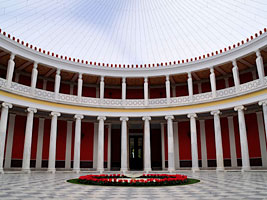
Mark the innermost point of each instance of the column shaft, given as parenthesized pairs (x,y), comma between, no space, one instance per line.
(213,82)
(243,138)
(176,145)
(168,89)
(53,143)
(162,147)
(236,75)
(28,141)
(77,143)
(190,86)
(57,83)
(203,144)
(194,150)
(10,69)
(124,150)
(109,147)
(171,167)
(3,127)
(34,77)
(123,88)
(262,139)
(260,66)
(146,90)
(102,87)
(147,147)
(80,85)
(218,140)
(100,158)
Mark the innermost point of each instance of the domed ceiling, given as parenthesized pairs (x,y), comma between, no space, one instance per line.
(132,31)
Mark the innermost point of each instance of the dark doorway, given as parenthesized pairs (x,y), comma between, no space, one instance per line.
(136,152)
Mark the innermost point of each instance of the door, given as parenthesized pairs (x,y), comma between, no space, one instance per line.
(136,152)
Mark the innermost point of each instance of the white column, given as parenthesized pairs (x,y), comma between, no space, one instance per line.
(68,145)
(264,108)
(53,143)
(95,154)
(168,89)
(9,143)
(147,147)
(262,139)
(80,85)
(232,141)
(10,69)
(260,66)
(243,137)
(109,147)
(77,143)
(171,164)
(57,83)
(176,145)
(39,152)
(226,80)
(218,140)
(199,87)
(213,82)
(124,140)
(162,146)
(194,151)
(28,140)
(100,158)
(190,86)
(34,77)
(203,144)
(123,88)
(146,90)
(3,127)
(102,87)
(236,75)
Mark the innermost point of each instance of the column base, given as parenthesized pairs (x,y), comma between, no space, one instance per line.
(124,170)
(2,171)
(220,169)
(26,171)
(51,171)
(101,170)
(171,170)
(247,168)
(195,169)
(147,170)
(77,171)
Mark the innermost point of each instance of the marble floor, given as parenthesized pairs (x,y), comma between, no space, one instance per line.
(213,185)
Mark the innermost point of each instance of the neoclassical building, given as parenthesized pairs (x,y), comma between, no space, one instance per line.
(61,113)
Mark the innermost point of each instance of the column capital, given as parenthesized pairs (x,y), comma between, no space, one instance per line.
(102,78)
(124,118)
(33,110)
(12,56)
(146,118)
(189,74)
(215,112)
(7,105)
(145,79)
(234,63)
(123,79)
(192,115)
(78,116)
(263,103)
(169,117)
(35,65)
(239,108)
(101,118)
(167,77)
(258,53)
(211,70)
(80,75)
(57,114)
(58,72)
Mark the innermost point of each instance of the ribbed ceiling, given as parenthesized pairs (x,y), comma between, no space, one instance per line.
(132,31)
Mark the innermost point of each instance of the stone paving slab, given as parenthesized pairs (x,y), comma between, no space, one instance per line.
(213,185)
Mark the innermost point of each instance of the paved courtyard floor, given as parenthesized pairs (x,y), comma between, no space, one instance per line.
(213,185)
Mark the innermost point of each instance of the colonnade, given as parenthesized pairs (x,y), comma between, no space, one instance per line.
(235,72)
(172,131)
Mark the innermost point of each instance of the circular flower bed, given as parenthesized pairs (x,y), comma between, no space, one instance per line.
(143,180)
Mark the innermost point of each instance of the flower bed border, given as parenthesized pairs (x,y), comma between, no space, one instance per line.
(149,180)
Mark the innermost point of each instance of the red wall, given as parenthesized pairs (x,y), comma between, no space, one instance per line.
(157,93)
